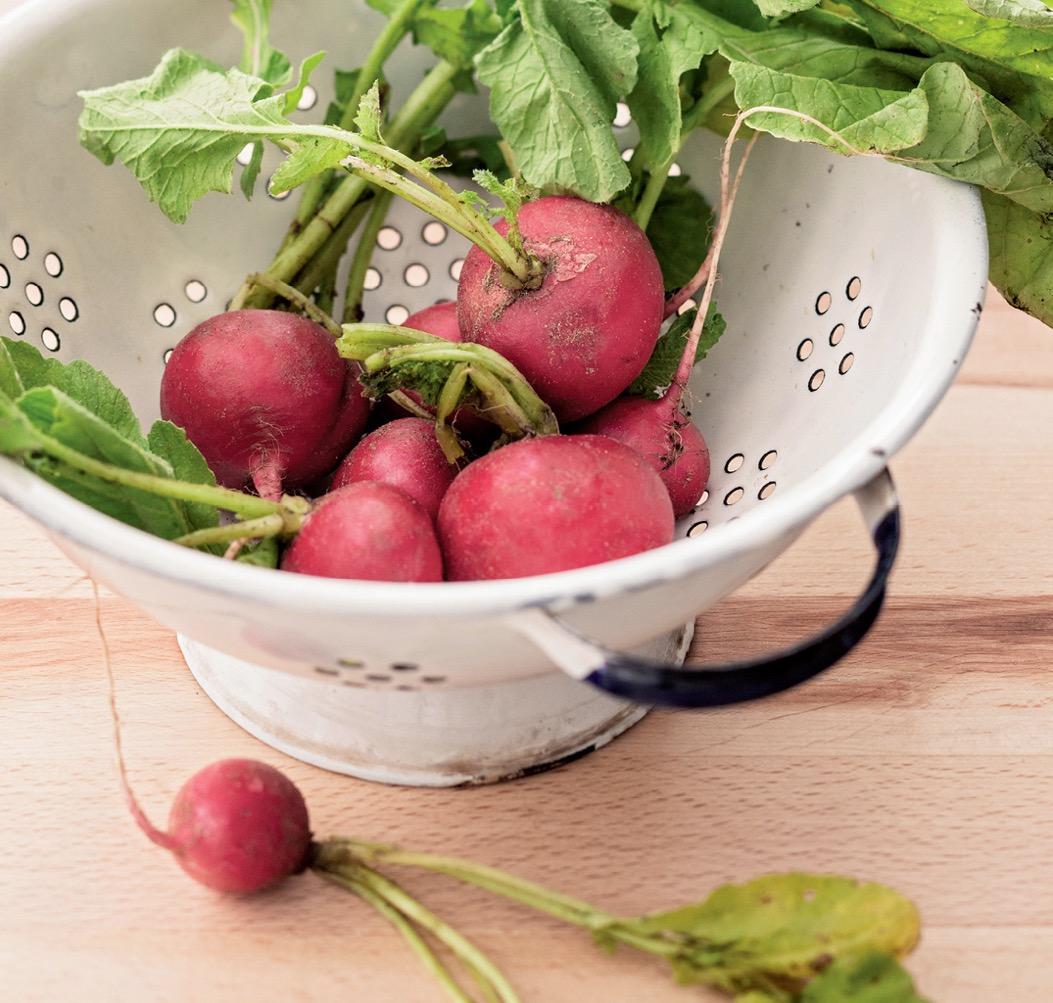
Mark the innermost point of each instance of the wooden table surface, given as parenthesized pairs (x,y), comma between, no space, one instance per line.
(924,760)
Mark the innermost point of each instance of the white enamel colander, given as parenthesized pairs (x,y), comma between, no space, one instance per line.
(851,288)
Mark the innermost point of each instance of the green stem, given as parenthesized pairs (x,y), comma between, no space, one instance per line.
(395,29)
(416,942)
(419,111)
(248,529)
(363,257)
(338,866)
(539,417)
(446,405)
(563,907)
(659,174)
(498,882)
(320,271)
(239,502)
(379,346)
(297,299)
(442,202)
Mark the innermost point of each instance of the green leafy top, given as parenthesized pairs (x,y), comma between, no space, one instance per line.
(959,88)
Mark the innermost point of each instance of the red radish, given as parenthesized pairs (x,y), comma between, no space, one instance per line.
(237,826)
(652,426)
(265,397)
(439,319)
(666,437)
(366,530)
(586,332)
(551,504)
(404,452)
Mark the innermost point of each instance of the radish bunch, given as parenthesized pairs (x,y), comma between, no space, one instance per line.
(573,472)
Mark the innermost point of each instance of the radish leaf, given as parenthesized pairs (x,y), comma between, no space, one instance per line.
(777,932)
(556,73)
(44,402)
(670,44)
(862,978)
(1013,61)
(258,58)
(1029,13)
(180,130)
(669,349)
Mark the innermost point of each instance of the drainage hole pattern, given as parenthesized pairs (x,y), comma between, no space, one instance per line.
(34,300)
(399,676)
(834,351)
(742,477)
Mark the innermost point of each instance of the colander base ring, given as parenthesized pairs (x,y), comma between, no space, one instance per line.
(453,737)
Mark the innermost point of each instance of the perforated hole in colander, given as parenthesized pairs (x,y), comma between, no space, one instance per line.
(846,317)
(403,676)
(38,307)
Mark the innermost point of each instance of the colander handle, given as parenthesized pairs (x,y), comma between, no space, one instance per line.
(659,684)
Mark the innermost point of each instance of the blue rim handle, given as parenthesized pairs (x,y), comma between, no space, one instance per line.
(670,685)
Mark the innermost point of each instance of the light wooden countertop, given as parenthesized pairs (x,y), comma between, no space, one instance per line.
(923,760)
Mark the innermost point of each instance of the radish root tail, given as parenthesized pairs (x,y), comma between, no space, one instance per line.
(156,835)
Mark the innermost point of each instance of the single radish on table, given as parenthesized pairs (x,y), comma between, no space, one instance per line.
(240,826)
(236,826)
(266,397)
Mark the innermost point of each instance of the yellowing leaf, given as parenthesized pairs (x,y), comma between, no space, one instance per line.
(779,931)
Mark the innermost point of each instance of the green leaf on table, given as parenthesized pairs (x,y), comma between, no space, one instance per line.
(779,931)
(862,978)
(556,73)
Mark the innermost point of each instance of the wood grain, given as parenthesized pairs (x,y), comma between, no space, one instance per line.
(924,759)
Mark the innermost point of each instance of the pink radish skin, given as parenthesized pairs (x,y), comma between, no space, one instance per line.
(367,530)
(586,333)
(265,397)
(403,452)
(551,504)
(439,319)
(665,437)
(238,826)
